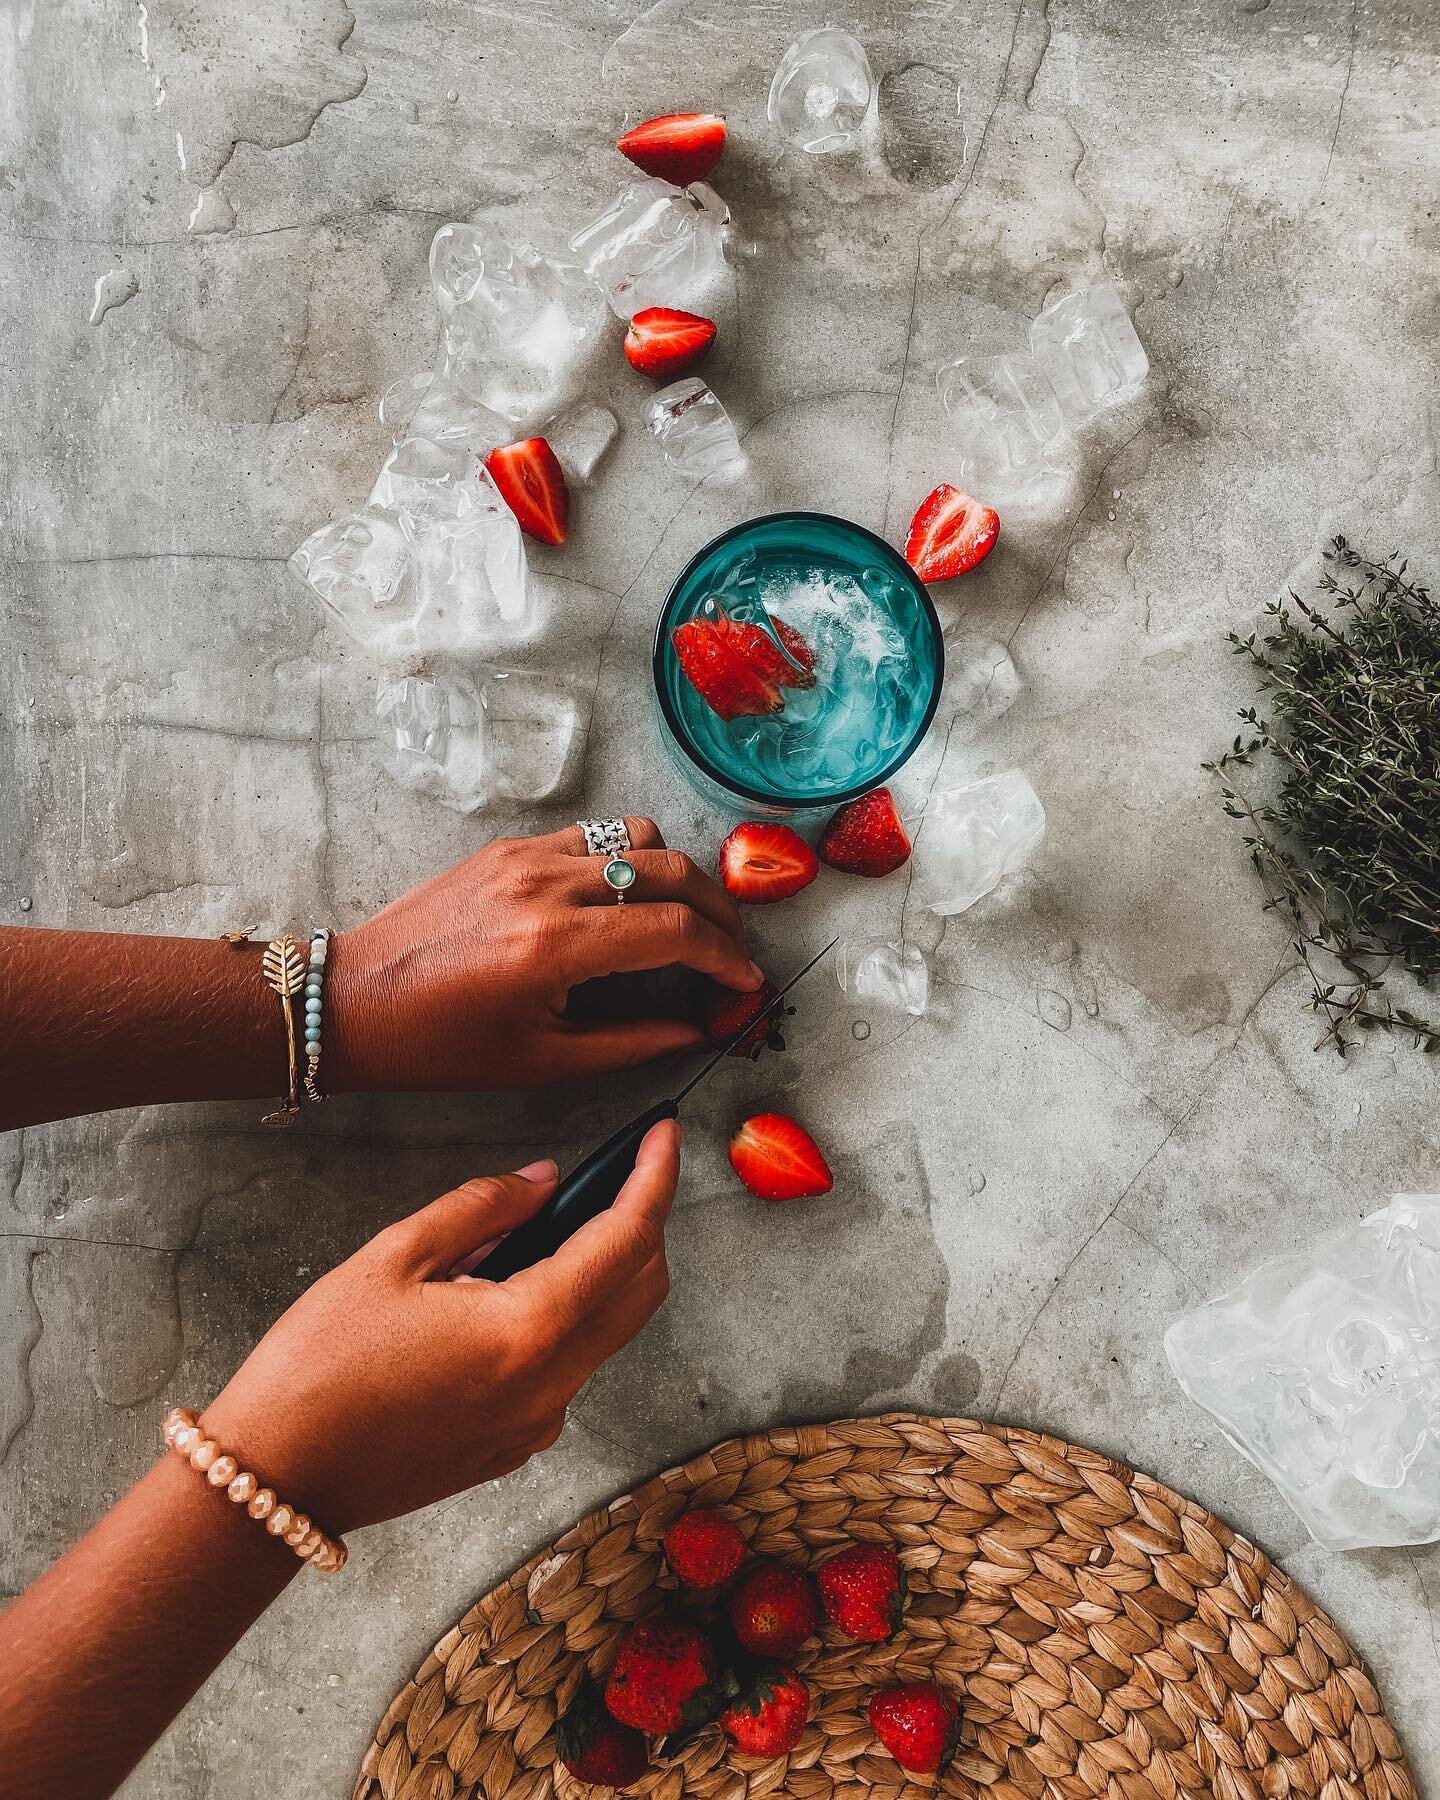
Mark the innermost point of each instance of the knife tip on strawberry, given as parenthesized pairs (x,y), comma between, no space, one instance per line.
(678,147)
(532,484)
(950,533)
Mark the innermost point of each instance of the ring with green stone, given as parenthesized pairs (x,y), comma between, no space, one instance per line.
(619,875)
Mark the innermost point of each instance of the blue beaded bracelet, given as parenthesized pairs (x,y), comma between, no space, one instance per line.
(314,1009)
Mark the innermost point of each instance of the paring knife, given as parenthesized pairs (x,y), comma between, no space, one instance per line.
(594,1184)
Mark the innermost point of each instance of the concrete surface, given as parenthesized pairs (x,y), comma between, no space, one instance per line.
(1024,1202)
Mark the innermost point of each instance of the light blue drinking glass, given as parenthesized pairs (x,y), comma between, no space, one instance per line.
(868,710)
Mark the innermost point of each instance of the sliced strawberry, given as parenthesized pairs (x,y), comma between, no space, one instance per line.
(778,1159)
(762,652)
(724,677)
(866,837)
(950,534)
(532,485)
(663,341)
(680,147)
(726,1014)
(761,863)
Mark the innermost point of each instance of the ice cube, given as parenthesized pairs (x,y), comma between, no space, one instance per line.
(1323,1366)
(694,429)
(1007,420)
(580,438)
(516,326)
(435,565)
(1088,348)
(654,245)
(894,977)
(821,92)
(514,735)
(981,681)
(968,839)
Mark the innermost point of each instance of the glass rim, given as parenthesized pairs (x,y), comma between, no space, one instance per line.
(759,796)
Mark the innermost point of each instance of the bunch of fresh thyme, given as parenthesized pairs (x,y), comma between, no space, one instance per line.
(1349,848)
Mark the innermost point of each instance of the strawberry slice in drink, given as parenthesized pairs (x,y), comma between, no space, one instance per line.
(738,669)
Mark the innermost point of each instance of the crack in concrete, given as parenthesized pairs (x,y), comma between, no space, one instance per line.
(25,1356)
(1060,1279)
(1344,93)
(140,556)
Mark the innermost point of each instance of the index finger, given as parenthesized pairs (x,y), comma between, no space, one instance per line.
(591,1269)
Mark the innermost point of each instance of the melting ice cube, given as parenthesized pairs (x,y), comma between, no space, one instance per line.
(694,429)
(513,736)
(821,91)
(892,976)
(969,839)
(1088,348)
(516,326)
(654,245)
(981,681)
(1005,415)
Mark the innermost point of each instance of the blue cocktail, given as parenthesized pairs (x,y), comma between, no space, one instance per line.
(878,663)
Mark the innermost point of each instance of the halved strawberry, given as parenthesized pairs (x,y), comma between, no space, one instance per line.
(663,342)
(726,1014)
(680,147)
(950,534)
(866,837)
(532,485)
(737,668)
(761,863)
(778,1159)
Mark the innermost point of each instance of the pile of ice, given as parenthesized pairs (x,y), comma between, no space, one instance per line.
(1014,415)
(1324,1368)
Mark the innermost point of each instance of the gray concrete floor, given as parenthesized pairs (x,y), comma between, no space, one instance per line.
(1023,1204)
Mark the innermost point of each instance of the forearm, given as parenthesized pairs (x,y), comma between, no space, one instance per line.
(102,1652)
(94,1020)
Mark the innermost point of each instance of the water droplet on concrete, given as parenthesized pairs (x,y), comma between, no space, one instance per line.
(26,904)
(1111,513)
(1176,277)
(453,95)
(1114,493)
(1053,1008)
(860,1029)
(1088,995)
(975,1181)
(114,288)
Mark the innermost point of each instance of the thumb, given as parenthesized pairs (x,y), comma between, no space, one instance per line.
(431,1241)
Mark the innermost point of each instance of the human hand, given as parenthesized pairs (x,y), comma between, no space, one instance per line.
(387,1385)
(462,983)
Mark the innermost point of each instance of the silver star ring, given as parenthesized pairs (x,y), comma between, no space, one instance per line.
(608,838)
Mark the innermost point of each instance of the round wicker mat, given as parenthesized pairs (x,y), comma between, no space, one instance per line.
(1102,1635)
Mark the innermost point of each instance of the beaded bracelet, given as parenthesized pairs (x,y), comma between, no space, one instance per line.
(314,1006)
(183,1434)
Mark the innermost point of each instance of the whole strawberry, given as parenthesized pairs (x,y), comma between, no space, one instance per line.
(704,1548)
(661,1675)
(863,1592)
(773,1610)
(769,1717)
(597,1749)
(918,1723)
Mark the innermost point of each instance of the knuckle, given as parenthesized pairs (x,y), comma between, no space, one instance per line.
(644,831)
(680,923)
(676,867)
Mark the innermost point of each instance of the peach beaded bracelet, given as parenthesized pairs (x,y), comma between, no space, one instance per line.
(182,1433)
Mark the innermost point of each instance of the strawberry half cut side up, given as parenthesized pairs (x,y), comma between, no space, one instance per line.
(866,837)
(950,534)
(762,862)
(777,1159)
(663,342)
(532,485)
(737,669)
(678,147)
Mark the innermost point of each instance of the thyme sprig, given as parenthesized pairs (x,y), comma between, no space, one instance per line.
(1349,846)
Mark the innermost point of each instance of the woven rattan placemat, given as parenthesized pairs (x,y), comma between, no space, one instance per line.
(1103,1635)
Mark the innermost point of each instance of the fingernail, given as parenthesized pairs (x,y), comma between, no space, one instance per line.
(544,1170)
(757,974)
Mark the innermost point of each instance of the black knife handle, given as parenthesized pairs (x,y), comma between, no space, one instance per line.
(584,1193)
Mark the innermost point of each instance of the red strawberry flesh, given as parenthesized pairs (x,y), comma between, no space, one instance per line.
(950,534)
(532,485)
(737,669)
(777,1159)
(866,837)
(762,862)
(726,1014)
(663,342)
(678,147)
